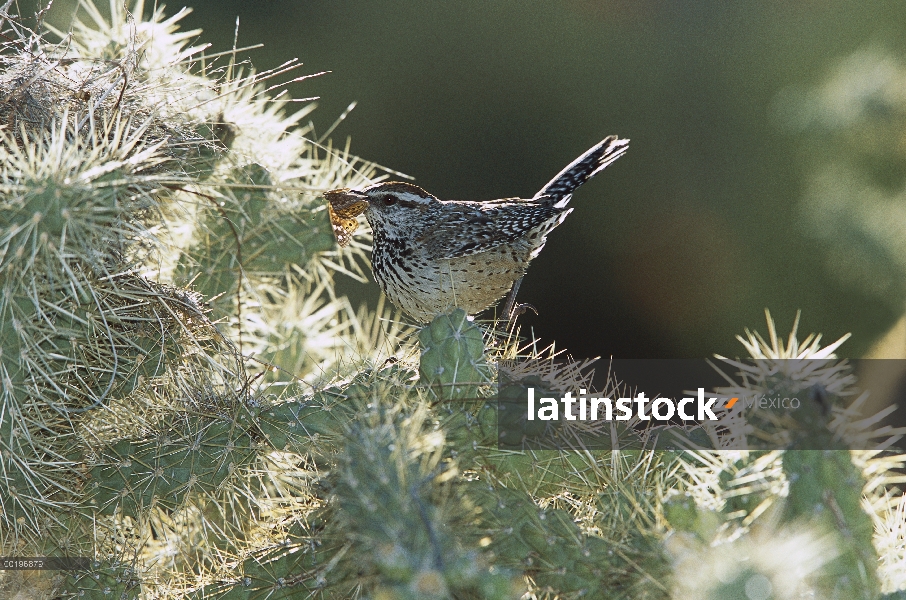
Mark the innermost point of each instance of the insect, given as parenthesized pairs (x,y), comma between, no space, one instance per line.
(343,212)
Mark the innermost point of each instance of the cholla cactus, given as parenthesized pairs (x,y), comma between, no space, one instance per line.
(187,402)
(453,356)
(831,498)
(157,211)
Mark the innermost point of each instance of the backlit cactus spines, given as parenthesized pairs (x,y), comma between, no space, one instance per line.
(122,402)
(825,488)
(315,423)
(452,360)
(192,457)
(395,496)
(549,546)
(103,579)
(681,512)
(253,230)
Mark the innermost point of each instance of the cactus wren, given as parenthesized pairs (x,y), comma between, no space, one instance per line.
(431,255)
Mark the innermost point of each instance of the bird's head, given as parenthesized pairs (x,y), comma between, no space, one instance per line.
(394,209)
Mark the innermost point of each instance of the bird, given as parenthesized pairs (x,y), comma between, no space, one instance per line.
(430,255)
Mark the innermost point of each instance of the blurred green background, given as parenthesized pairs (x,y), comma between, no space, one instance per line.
(766,168)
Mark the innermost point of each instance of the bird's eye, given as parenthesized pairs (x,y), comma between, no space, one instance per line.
(389,200)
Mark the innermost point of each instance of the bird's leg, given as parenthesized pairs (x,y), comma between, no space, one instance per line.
(511,299)
(511,310)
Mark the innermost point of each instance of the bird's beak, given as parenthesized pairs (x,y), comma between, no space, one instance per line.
(347,203)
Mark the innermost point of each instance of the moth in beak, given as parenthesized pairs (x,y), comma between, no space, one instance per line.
(343,206)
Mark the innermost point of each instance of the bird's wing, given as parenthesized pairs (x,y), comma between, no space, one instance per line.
(472,227)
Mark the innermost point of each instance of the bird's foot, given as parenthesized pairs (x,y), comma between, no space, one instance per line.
(519,310)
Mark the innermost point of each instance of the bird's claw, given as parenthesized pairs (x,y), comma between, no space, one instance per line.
(518,311)
(521,309)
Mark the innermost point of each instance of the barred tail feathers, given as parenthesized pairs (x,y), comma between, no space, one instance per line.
(561,187)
